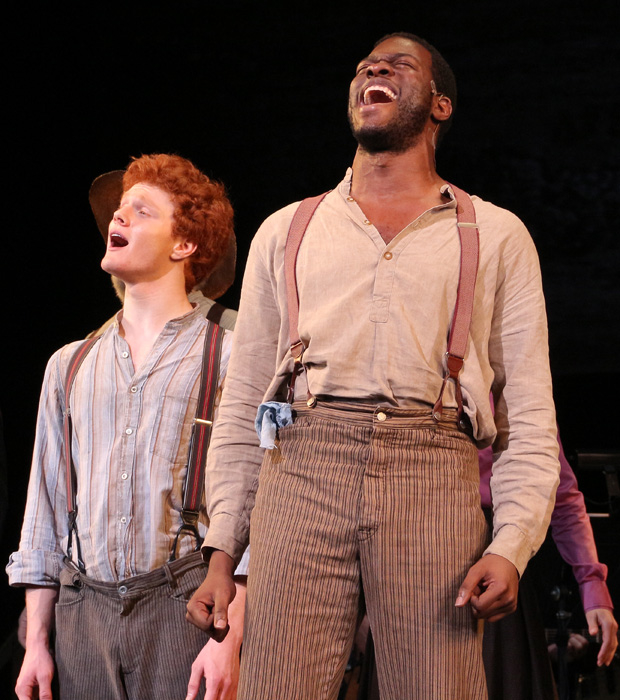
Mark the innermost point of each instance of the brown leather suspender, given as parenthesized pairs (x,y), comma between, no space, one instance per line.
(201,434)
(461,321)
(70,476)
(296,232)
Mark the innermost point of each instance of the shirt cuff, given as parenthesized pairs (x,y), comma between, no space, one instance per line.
(511,543)
(595,594)
(228,534)
(35,567)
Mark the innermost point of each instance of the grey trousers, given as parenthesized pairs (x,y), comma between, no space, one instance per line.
(355,503)
(128,640)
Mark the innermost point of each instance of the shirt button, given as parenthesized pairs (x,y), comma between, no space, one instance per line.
(367,222)
(381,416)
(124,476)
(133,389)
(123,519)
(122,590)
(129,431)
(350,199)
(388,255)
(125,354)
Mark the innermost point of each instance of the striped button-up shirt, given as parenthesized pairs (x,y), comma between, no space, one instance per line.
(131,430)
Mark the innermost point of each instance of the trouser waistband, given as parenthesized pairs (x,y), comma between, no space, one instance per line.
(366,413)
(165,574)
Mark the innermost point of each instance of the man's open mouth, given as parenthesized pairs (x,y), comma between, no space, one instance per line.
(117,241)
(375,94)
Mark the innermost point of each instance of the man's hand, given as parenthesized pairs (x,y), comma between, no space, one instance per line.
(218,664)
(602,619)
(491,587)
(208,607)
(35,678)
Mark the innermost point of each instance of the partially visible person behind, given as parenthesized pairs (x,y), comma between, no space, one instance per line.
(115,587)
(514,647)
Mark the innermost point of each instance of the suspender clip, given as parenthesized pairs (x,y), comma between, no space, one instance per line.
(297,351)
(454,364)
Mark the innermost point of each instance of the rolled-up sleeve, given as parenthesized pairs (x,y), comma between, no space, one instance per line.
(39,558)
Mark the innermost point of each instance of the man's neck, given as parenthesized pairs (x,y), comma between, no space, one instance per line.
(394,175)
(394,189)
(147,307)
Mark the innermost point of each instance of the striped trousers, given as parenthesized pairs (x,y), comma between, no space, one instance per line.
(364,506)
(128,640)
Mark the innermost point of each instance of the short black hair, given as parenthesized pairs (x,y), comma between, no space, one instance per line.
(445,82)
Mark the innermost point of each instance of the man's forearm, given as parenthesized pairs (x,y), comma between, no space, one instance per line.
(40,603)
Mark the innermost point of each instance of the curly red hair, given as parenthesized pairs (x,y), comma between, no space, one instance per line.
(202,212)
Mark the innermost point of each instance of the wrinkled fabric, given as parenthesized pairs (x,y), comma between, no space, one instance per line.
(270,416)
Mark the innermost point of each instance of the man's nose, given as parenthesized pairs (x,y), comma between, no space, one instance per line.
(379,68)
(119,217)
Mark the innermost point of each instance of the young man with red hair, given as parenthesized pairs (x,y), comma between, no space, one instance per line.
(117,586)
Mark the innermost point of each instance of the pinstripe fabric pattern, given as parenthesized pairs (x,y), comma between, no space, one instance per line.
(127,657)
(131,429)
(350,501)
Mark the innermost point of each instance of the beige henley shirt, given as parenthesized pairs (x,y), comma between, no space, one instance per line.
(374,318)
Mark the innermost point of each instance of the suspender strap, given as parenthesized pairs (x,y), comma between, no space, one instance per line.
(214,314)
(296,232)
(70,475)
(201,435)
(461,320)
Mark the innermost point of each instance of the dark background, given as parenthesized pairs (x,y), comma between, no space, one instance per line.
(257,98)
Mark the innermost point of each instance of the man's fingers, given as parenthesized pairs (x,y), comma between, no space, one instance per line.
(490,587)
(606,653)
(33,689)
(610,642)
(220,628)
(493,604)
(194,683)
(601,621)
(470,587)
(199,613)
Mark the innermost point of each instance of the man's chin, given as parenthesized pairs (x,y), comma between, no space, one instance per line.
(108,266)
(376,142)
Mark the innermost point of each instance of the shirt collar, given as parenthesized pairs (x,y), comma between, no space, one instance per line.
(344,189)
(173,324)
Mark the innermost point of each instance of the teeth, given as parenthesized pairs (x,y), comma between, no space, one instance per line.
(117,240)
(379,88)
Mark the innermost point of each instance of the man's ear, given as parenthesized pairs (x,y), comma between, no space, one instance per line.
(442,108)
(182,249)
